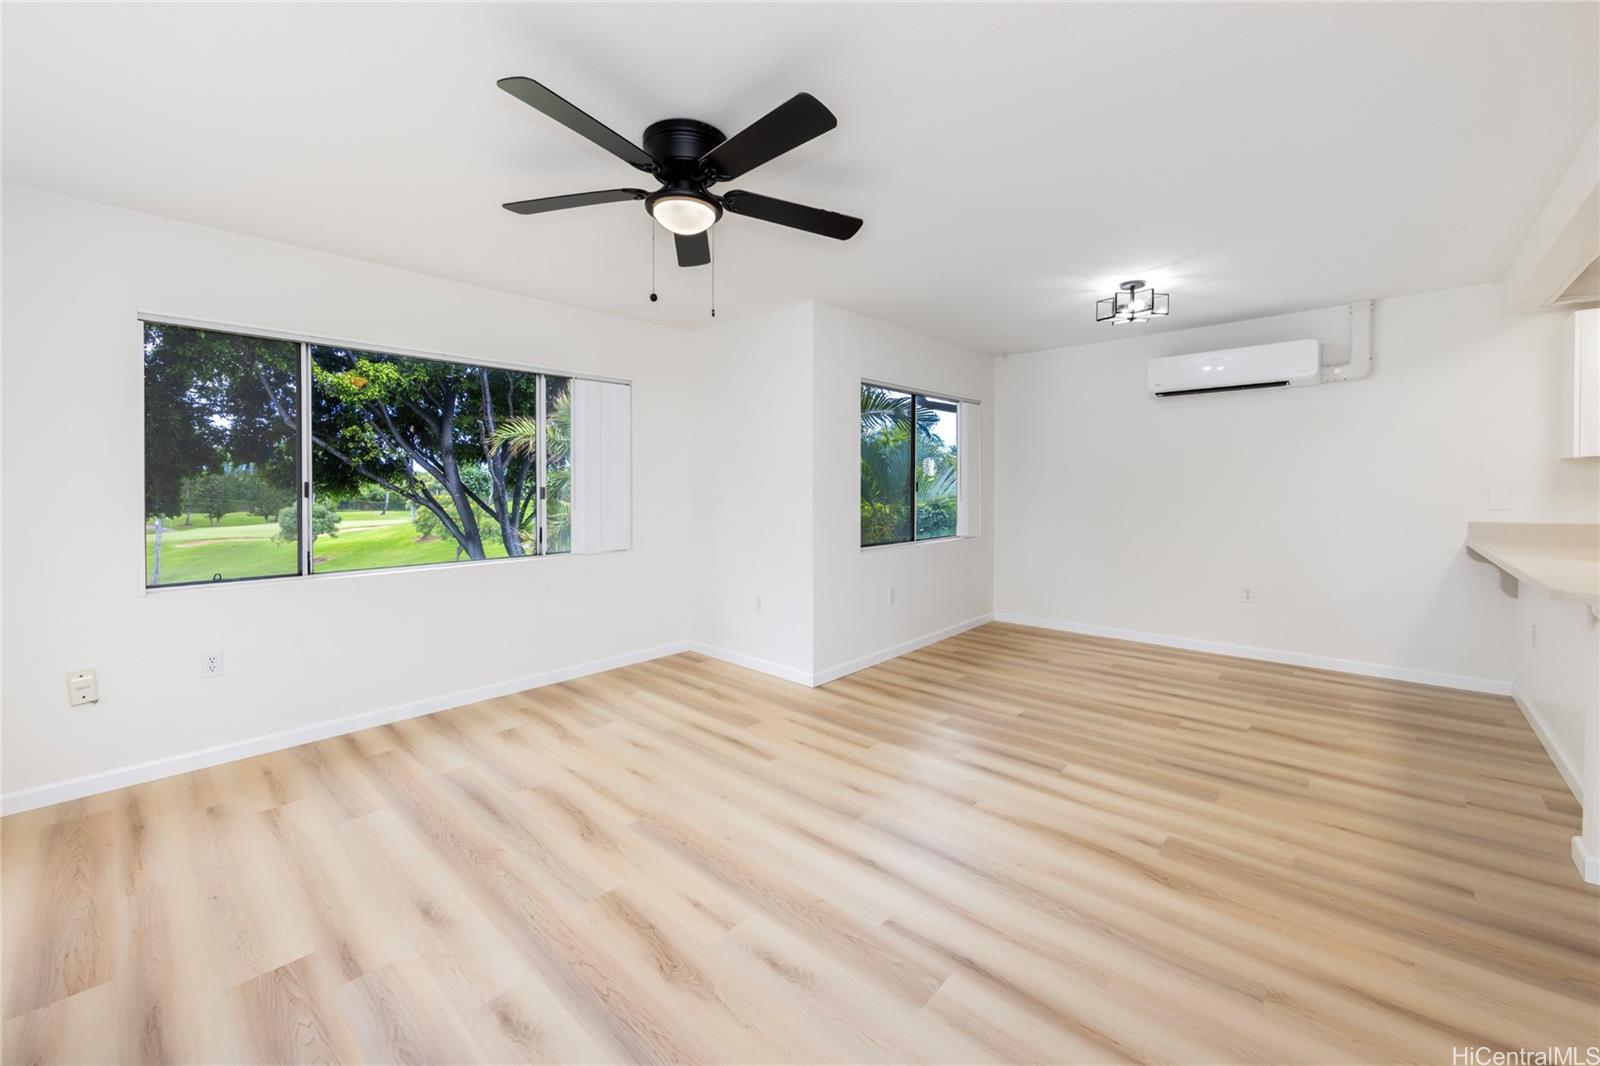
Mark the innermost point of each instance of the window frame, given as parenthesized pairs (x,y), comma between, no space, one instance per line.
(306,490)
(916,395)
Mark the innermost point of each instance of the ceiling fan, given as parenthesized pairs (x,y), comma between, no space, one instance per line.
(687,157)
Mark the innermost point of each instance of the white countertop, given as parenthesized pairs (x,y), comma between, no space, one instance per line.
(1561,558)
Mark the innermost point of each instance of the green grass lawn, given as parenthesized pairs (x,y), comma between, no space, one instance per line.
(200,521)
(244,546)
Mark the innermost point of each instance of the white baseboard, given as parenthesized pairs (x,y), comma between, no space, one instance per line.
(108,780)
(1558,754)
(28,799)
(1491,685)
(751,662)
(1587,862)
(812,679)
(833,673)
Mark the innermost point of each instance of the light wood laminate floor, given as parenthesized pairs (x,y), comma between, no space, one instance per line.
(1013,845)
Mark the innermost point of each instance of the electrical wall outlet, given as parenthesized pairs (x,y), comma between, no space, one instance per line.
(891,595)
(211,664)
(1533,635)
(1247,595)
(758,603)
(82,687)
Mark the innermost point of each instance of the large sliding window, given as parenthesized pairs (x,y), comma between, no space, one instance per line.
(910,476)
(411,461)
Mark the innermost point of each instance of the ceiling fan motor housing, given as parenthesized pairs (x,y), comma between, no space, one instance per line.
(677,145)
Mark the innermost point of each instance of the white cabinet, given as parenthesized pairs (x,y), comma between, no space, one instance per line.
(1580,437)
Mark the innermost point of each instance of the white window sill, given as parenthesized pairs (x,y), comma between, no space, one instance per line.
(914,543)
(337,575)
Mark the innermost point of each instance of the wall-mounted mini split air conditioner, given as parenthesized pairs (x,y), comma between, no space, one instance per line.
(1281,365)
(1287,364)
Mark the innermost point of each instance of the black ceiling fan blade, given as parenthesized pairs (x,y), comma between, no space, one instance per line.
(787,126)
(693,250)
(575,199)
(795,216)
(578,121)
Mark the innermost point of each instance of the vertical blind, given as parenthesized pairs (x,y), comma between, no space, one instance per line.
(969,502)
(602,467)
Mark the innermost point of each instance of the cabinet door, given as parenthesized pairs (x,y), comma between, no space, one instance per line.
(1583,408)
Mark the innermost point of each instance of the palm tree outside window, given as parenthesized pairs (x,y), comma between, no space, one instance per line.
(909,466)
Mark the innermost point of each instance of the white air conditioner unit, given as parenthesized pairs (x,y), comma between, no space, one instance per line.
(1283,365)
(1261,366)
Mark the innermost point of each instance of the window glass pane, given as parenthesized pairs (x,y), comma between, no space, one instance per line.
(419,461)
(558,457)
(936,468)
(221,447)
(885,465)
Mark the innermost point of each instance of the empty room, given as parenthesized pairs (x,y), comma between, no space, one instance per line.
(819,533)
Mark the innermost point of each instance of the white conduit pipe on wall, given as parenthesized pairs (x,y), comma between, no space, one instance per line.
(1360,362)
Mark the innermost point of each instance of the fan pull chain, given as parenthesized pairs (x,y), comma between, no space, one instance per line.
(653,261)
(712,238)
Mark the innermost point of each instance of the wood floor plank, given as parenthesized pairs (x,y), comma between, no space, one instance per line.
(1014,845)
(69,941)
(288,1015)
(399,1015)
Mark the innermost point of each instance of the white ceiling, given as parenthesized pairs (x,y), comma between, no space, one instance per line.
(1012,162)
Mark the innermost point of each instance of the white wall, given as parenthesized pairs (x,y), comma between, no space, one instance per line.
(752,500)
(297,652)
(1344,507)
(777,504)
(1557,657)
(939,585)
(745,485)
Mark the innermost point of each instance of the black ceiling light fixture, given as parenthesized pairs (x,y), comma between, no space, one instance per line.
(687,157)
(1134,301)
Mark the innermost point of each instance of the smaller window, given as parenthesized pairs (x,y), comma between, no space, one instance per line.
(936,468)
(910,475)
(221,456)
(558,465)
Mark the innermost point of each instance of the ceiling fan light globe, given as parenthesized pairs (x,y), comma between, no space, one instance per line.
(683,215)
